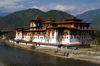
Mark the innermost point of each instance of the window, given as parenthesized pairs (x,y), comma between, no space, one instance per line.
(71,33)
(36,37)
(41,37)
(77,37)
(71,37)
(66,33)
(67,37)
(78,27)
(38,24)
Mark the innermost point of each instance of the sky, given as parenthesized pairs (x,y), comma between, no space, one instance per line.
(73,7)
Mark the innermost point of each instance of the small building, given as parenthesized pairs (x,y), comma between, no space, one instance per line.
(71,31)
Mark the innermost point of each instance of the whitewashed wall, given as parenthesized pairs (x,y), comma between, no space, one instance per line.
(18,36)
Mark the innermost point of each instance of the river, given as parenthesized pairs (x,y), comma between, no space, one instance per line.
(10,56)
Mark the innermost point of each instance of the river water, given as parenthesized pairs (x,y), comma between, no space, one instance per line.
(10,56)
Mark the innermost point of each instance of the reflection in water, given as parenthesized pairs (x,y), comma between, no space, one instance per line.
(10,56)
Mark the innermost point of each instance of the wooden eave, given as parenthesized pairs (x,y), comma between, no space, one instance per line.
(35,27)
(52,27)
(62,28)
(39,20)
(71,27)
(39,30)
(21,29)
(49,23)
(70,22)
(85,29)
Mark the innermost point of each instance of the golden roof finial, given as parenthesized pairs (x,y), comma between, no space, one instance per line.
(50,19)
(37,17)
(73,17)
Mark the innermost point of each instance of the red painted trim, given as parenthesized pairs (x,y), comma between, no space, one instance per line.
(49,44)
(73,45)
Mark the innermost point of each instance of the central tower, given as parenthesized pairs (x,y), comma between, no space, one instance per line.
(36,23)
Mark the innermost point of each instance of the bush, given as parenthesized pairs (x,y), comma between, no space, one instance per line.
(32,47)
(9,34)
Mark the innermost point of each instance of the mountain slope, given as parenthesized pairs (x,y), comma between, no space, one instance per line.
(1,17)
(57,15)
(89,14)
(21,18)
(18,19)
(95,22)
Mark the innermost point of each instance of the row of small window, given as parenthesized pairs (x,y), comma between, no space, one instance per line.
(78,37)
(42,37)
(65,37)
(33,37)
(83,27)
(37,37)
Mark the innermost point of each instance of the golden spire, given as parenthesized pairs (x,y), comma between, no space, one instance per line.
(37,17)
(73,17)
(50,19)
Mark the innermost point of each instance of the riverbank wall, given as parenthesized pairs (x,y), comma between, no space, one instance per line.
(28,45)
(86,55)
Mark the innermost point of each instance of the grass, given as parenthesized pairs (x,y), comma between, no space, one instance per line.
(76,53)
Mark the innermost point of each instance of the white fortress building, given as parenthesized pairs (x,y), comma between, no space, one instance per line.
(71,31)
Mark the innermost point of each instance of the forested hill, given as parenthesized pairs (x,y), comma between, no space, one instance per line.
(89,14)
(92,16)
(21,18)
(57,15)
(1,17)
(95,22)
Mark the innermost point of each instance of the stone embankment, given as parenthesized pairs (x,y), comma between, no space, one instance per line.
(87,55)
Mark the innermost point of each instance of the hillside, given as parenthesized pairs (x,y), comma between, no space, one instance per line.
(89,14)
(1,17)
(21,18)
(18,19)
(57,15)
(95,22)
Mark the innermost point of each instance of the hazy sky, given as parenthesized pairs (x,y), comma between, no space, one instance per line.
(73,7)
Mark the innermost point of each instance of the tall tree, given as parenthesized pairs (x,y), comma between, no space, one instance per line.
(47,38)
(59,38)
(31,37)
(98,37)
(92,34)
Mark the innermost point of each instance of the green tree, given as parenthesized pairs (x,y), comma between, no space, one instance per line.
(98,37)
(47,38)
(84,38)
(92,34)
(32,37)
(21,18)
(59,38)
(81,38)
(9,34)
